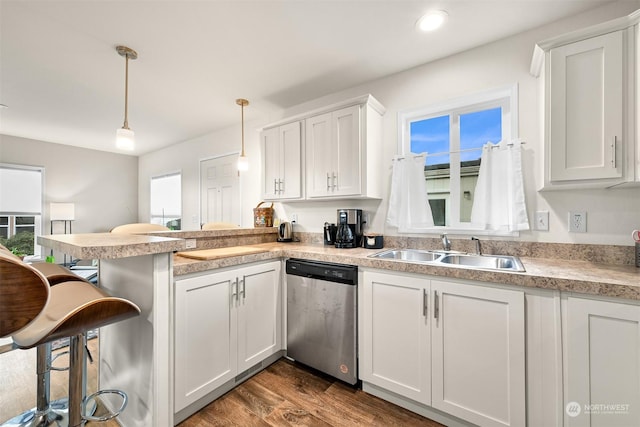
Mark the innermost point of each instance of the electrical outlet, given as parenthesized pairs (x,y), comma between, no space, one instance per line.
(577,222)
(190,243)
(542,221)
(294,218)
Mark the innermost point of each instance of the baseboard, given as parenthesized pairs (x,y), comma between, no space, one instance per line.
(413,406)
(226,387)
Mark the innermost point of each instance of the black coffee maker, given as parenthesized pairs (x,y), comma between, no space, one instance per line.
(349,231)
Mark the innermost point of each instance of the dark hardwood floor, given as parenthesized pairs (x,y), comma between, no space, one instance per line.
(288,394)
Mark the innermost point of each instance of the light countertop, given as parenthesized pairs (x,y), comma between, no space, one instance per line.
(621,281)
(109,245)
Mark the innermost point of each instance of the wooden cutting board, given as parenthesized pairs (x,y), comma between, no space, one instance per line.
(208,254)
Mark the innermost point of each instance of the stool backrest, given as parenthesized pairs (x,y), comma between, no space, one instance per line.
(24,292)
(138,228)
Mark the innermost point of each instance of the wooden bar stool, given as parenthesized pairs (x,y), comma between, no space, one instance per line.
(71,308)
(46,412)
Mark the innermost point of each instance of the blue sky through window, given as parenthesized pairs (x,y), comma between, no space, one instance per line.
(476,129)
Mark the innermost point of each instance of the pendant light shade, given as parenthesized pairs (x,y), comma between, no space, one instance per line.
(243,162)
(125,138)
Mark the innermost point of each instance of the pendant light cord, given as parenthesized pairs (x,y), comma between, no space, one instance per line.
(126,92)
(242,119)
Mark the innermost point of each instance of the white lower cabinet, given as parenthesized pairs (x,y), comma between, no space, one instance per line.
(225,322)
(455,347)
(478,354)
(602,363)
(396,336)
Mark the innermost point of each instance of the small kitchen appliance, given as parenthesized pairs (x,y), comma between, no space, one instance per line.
(373,241)
(330,233)
(285,232)
(349,231)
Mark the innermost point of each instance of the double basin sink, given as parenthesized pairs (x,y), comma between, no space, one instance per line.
(453,259)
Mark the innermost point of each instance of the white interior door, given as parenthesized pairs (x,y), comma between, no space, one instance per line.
(220,190)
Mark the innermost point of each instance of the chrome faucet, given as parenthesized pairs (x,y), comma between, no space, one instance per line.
(445,242)
(478,249)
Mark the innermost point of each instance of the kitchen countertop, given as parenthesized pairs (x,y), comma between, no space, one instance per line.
(109,245)
(611,280)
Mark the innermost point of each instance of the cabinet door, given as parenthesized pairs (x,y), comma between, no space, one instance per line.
(586,109)
(290,182)
(259,313)
(205,336)
(320,154)
(270,146)
(396,338)
(346,170)
(478,365)
(602,364)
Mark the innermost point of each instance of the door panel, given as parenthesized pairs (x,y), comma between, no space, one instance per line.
(220,190)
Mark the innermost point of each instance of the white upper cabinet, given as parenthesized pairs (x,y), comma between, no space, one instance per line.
(341,148)
(585,109)
(590,101)
(281,162)
(333,154)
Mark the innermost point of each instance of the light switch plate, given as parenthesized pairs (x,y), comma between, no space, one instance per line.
(577,222)
(542,221)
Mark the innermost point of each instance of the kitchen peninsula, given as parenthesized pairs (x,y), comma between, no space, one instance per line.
(135,355)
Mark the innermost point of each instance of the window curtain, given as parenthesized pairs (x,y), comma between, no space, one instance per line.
(408,200)
(499,202)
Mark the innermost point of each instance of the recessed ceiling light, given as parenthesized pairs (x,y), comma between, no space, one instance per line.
(432,20)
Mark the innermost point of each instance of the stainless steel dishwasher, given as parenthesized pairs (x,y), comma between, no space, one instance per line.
(322,317)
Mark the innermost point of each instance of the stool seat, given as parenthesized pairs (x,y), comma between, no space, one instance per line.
(55,273)
(74,307)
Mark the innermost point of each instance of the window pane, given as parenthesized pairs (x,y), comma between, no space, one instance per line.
(4,220)
(476,129)
(166,200)
(25,220)
(433,136)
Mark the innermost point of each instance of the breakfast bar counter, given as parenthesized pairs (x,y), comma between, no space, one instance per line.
(136,355)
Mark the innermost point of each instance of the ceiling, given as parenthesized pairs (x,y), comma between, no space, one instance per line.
(63,80)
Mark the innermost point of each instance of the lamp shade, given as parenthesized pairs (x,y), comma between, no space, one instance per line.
(243,163)
(62,212)
(125,139)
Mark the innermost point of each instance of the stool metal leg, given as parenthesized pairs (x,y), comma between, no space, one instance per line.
(76,356)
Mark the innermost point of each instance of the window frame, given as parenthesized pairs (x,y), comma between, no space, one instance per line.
(170,217)
(38,217)
(505,97)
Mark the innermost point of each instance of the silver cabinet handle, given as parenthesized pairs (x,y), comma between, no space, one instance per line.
(234,290)
(328,181)
(280,186)
(243,290)
(335,179)
(436,305)
(613,152)
(425,302)
(275,186)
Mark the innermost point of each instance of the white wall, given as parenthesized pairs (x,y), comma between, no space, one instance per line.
(102,185)
(185,157)
(611,214)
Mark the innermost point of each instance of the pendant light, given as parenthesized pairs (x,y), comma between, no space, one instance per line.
(243,162)
(125,138)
